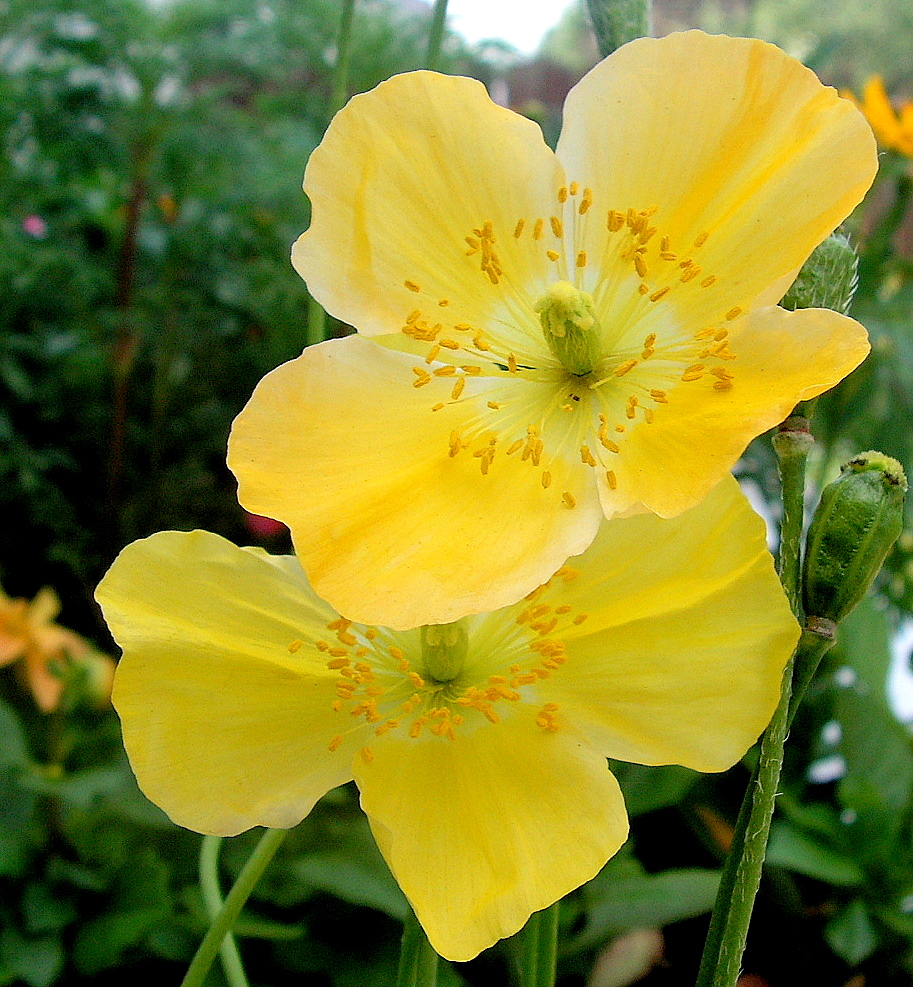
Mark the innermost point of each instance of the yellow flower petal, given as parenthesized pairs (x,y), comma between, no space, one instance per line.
(226,721)
(401,187)
(744,160)
(687,632)
(781,358)
(482,831)
(391,528)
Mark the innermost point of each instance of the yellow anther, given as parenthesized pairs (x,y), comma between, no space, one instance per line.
(463,327)
(420,373)
(659,396)
(563,609)
(624,368)
(518,229)
(371,633)
(586,201)
(413,316)
(335,743)
(644,289)
(511,363)
(412,286)
(443,302)
(322,645)
(416,727)
(339,624)
(416,680)
(538,227)
(581,259)
(478,340)
(580,618)
(640,265)
(723,385)
(338,652)
(437,407)
(557,226)
(540,611)
(574,188)
(562,194)
(294,646)
(586,456)
(494,405)
(367,754)
(346,638)
(546,628)
(546,479)
(664,244)
(661,293)
(615,221)
(386,727)
(568,499)
(447,371)
(648,415)
(458,386)
(471,371)
(552,254)
(733,313)
(514,446)
(491,715)
(690,273)
(667,255)
(338,663)
(721,335)
(396,653)
(607,443)
(450,344)
(705,333)
(433,354)
(567,573)
(708,281)
(701,239)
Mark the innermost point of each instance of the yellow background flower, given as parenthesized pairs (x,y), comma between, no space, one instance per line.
(893,128)
(563,336)
(244,698)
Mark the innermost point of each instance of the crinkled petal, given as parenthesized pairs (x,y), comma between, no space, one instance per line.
(782,358)
(748,160)
(390,527)
(687,633)
(225,725)
(482,831)
(403,176)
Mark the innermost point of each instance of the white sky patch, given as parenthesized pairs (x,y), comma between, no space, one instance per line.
(522,23)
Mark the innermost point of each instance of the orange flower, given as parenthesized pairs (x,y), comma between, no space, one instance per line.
(28,632)
(893,128)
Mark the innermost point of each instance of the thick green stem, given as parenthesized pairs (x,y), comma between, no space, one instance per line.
(417,960)
(436,35)
(616,22)
(212,896)
(741,876)
(231,909)
(539,955)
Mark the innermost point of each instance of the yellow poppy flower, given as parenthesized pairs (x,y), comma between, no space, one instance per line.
(479,747)
(893,128)
(547,339)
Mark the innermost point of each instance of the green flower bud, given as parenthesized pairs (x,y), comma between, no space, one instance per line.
(827,279)
(857,521)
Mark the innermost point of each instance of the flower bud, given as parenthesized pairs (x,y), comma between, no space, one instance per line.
(827,279)
(857,521)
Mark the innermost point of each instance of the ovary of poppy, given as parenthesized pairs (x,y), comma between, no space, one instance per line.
(479,747)
(547,339)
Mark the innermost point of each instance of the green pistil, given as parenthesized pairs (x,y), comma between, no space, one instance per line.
(570,327)
(444,650)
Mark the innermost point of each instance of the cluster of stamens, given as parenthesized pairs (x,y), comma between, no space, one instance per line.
(630,385)
(379,684)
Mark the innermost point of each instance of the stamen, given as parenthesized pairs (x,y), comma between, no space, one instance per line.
(412,286)
(733,313)
(708,281)
(615,221)
(568,499)
(367,754)
(546,479)
(457,388)
(610,479)
(518,229)
(640,265)
(295,646)
(701,239)
(661,293)
(574,188)
(581,259)
(335,743)
(586,201)
(562,194)
(537,229)
(624,368)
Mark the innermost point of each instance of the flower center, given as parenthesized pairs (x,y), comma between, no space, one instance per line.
(570,327)
(444,650)
(431,682)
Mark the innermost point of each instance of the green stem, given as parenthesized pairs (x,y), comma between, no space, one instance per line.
(231,909)
(741,876)
(616,22)
(540,948)
(340,92)
(417,960)
(212,896)
(436,36)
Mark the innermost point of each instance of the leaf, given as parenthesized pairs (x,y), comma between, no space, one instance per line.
(803,853)
(620,899)
(14,750)
(647,788)
(851,933)
(359,880)
(37,960)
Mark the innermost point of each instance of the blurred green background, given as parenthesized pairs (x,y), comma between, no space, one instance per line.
(151,189)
